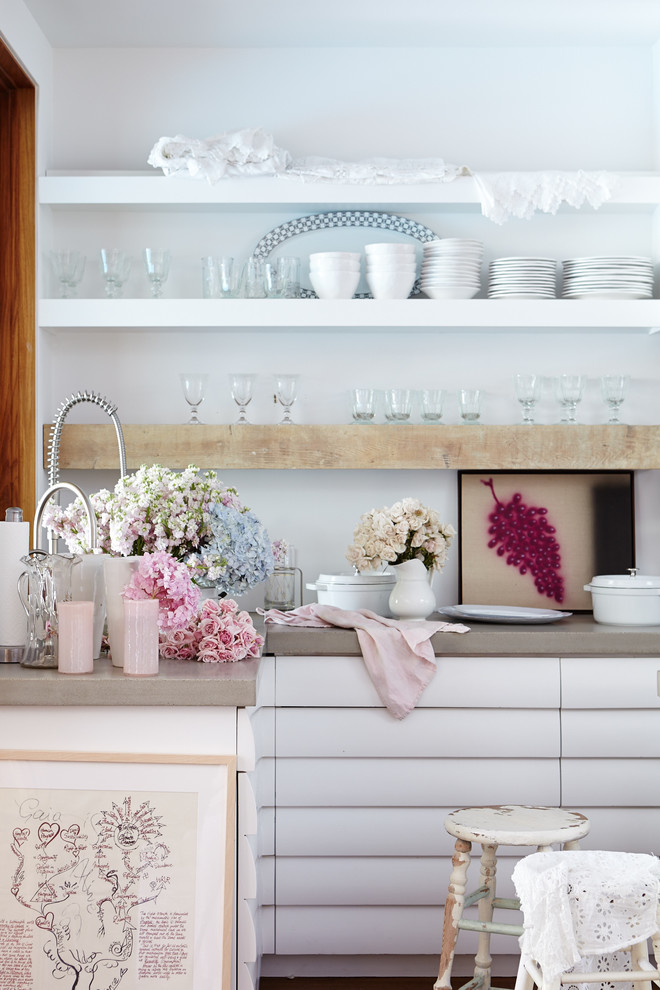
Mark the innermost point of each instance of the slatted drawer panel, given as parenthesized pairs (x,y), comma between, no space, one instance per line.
(603,734)
(610,682)
(332,732)
(459,682)
(416,782)
(625,829)
(611,782)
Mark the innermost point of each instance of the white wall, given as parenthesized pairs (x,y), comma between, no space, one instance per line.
(489,108)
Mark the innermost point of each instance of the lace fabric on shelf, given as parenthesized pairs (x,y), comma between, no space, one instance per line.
(520,194)
(374,171)
(248,152)
(583,904)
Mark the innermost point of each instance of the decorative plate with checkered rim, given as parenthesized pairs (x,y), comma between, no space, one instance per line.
(344,218)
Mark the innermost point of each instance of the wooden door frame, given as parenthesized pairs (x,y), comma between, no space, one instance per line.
(17,286)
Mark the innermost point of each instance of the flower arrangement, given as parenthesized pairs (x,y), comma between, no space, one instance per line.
(218,633)
(191,516)
(404,531)
(158,575)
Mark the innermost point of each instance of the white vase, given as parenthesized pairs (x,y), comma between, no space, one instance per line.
(412,598)
(117,573)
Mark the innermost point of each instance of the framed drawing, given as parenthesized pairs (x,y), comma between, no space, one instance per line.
(117,871)
(535,539)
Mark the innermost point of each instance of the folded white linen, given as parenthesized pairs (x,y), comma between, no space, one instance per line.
(248,152)
(521,194)
(398,655)
(373,171)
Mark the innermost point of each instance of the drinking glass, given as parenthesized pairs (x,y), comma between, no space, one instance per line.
(569,395)
(286,389)
(253,279)
(193,389)
(157,265)
(363,405)
(115,268)
(613,389)
(68,267)
(241,392)
(398,405)
(431,401)
(469,404)
(528,393)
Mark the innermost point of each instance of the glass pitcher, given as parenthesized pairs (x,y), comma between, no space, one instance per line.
(46,580)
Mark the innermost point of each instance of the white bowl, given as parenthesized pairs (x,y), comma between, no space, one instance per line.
(391,266)
(390,285)
(329,255)
(386,248)
(335,265)
(334,285)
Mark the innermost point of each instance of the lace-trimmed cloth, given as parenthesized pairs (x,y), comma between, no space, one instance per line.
(521,194)
(374,171)
(578,904)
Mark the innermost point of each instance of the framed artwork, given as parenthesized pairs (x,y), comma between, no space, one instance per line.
(535,539)
(116,871)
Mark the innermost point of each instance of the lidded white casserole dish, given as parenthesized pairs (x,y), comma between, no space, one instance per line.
(626,599)
(355,591)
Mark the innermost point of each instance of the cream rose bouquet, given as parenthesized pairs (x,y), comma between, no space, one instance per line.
(406,530)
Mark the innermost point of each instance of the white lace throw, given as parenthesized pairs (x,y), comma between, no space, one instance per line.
(521,194)
(584,903)
(247,152)
(374,171)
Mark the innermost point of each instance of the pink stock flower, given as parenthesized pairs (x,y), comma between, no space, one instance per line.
(159,575)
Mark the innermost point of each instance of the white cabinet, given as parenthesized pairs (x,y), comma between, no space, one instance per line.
(361,858)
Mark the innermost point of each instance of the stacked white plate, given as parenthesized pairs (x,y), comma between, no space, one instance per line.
(391,269)
(451,268)
(522,278)
(608,278)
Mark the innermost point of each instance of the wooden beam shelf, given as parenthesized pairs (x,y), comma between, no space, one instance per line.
(348,447)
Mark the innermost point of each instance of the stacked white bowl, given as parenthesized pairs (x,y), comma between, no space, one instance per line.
(451,268)
(334,274)
(391,269)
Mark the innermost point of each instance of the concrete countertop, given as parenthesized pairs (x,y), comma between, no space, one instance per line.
(577,636)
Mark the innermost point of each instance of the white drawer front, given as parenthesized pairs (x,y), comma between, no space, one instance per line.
(610,782)
(610,682)
(426,733)
(617,734)
(368,931)
(377,880)
(459,682)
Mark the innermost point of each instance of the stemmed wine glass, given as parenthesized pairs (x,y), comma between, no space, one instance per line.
(241,393)
(115,268)
(286,388)
(528,392)
(613,389)
(157,264)
(68,267)
(569,394)
(193,389)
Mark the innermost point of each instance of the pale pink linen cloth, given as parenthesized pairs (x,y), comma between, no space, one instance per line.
(398,655)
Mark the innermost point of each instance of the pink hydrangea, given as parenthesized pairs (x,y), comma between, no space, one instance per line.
(218,633)
(159,575)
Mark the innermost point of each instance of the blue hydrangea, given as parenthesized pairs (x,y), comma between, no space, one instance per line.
(238,553)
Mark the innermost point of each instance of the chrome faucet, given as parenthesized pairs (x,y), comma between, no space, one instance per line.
(56,433)
(43,501)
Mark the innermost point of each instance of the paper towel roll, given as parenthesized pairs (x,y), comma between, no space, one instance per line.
(14,544)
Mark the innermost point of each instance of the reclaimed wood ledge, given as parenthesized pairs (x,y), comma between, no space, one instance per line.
(407,447)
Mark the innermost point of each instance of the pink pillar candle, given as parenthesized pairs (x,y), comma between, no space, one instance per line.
(141,637)
(75,652)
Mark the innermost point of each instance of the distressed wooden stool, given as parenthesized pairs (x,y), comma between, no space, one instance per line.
(499,825)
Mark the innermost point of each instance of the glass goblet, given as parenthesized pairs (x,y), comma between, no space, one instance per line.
(286,390)
(241,392)
(528,393)
(569,395)
(193,386)
(68,267)
(115,268)
(613,389)
(157,265)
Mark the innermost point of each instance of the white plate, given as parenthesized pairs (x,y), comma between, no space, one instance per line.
(502,613)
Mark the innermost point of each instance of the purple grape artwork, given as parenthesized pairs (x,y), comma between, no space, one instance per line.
(523,536)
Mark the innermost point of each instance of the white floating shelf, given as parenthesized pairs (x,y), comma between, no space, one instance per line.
(352,314)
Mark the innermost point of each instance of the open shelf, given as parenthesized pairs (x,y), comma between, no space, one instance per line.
(160,314)
(94,447)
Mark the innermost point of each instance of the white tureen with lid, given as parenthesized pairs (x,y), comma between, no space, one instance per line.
(355,591)
(626,599)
